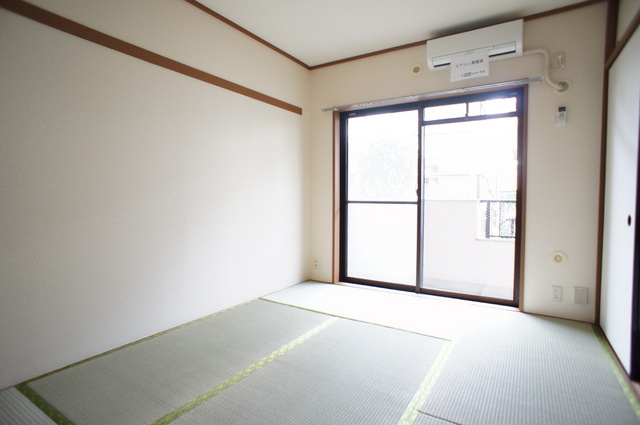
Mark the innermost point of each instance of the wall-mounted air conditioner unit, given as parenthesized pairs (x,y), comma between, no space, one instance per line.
(502,41)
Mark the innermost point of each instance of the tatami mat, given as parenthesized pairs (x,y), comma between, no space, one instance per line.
(505,367)
(141,383)
(434,316)
(313,354)
(529,370)
(350,373)
(16,409)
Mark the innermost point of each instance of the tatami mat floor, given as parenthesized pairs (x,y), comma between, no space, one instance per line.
(434,316)
(505,367)
(494,366)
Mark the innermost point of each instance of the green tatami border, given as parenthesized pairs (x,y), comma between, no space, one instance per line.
(192,404)
(624,383)
(122,347)
(58,417)
(408,417)
(43,405)
(420,397)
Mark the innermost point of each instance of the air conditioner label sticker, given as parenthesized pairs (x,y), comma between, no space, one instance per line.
(468,66)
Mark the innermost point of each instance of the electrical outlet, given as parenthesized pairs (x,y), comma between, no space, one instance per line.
(556,293)
(317,263)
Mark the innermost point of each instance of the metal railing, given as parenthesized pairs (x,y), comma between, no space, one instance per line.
(500,219)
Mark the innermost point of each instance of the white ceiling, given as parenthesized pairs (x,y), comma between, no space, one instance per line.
(322,31)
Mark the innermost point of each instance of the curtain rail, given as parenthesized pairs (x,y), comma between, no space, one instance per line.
(434,94)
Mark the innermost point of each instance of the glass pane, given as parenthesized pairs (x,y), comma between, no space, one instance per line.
(444,112)
(381,242)
(471,160)
(382,157)
(470,179)
(492,106)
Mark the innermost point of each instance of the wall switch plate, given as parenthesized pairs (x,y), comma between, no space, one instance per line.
(580,295)
(317,263)
(556,293)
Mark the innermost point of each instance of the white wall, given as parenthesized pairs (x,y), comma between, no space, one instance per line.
(620,195)
(133,198)
(563,162)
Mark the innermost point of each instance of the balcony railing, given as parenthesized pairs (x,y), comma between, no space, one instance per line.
(500,219)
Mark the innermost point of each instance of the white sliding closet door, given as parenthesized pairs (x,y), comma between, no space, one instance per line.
(620,199)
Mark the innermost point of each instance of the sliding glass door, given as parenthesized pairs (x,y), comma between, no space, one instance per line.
(431,196)
(470,161)
(380,198)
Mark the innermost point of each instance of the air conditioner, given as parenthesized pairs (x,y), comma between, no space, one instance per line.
(502,41)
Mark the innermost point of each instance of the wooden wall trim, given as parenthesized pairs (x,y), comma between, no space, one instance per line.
(68,26)
(610,39)
(246,32)
(611,29)
(335,269)
(424,42)
(523,199)
(562,9)
(367,55)
(619,367)
(631,29)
